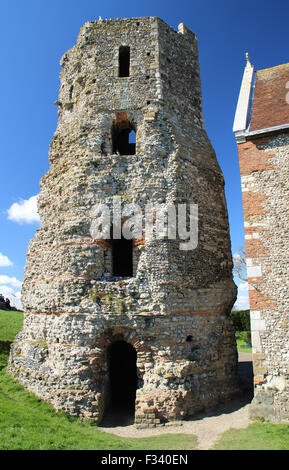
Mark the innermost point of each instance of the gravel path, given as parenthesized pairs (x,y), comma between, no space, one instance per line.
(209,426)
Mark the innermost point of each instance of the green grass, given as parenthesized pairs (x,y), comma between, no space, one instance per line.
(257,436)
(241,342)
(28,423)
(10,324)
(241,346)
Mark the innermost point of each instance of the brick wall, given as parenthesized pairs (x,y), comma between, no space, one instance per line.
(264,175)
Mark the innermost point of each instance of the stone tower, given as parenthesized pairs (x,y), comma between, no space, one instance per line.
(261,128)
(141,323)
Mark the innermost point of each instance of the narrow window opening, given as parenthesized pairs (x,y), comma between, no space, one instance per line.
(124,61)
(70,93)
(122,258)
(103,149)
(123,139)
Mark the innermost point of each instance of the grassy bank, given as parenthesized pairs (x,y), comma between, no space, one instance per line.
(10,324)
(28,423)
(257,436)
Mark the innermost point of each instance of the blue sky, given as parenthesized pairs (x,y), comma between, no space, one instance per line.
(35,34)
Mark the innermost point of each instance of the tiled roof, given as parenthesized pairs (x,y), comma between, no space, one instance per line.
(270,105)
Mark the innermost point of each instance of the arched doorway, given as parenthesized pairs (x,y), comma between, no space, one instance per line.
(122,383)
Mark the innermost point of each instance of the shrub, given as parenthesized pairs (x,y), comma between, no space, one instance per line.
(241,320)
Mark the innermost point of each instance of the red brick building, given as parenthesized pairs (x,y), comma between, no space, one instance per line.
(261,129)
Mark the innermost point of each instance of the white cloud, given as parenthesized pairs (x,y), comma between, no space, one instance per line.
(10,287)
(242,302)
(5,261)
(11,281)
(13,296)
(236,257)
(24,212)
(243,286)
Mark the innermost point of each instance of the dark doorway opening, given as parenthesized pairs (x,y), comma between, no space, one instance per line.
(124,61)
(122,258)
(123,139)
(122,384)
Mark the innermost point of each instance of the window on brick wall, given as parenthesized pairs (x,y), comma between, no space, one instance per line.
(123,61)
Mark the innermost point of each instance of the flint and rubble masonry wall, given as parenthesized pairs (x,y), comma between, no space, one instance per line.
(264,174)
(74,307)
